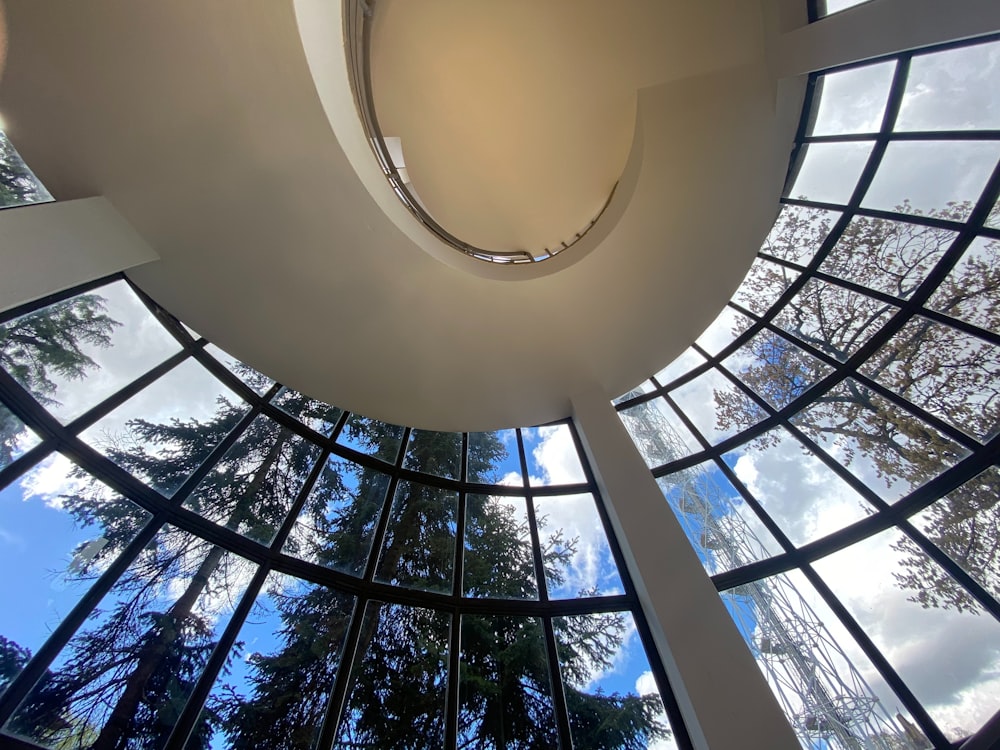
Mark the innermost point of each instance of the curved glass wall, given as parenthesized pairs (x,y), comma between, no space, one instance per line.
(830,442)
(197,556)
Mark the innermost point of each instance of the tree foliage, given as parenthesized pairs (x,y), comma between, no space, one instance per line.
(17,184)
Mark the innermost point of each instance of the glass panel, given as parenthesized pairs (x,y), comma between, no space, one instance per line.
(953,90)
(798,491)
(948,373)
(370,436)
(419,548)
(723,330)
(505,700)
(798,233)
(15,438)
(683,364)
(552,456)
(497,559)
(252,487)
(314,414)
(125,676)
(279,674)
(257,382)
(658,432)
(971,292)
(965,524)
(611,695)
(398,683)
(72,355)
(493,458)
(934,178)
(337,524)
(164,432)
(993,220)
(833,319)
(577,558)
(891,256)
(59,529)
(723,530)
(830,171)
(646,386)
(437,453)
(853,101)
(888,449)
(763,285)
(775,369)
(946,657)
(831,693)
(18,184)
(835,6)
(716,407)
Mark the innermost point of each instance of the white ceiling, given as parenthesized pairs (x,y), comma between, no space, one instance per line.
(203,125)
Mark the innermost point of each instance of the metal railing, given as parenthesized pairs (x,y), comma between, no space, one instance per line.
(357,41)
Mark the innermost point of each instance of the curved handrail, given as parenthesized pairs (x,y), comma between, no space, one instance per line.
(357,44)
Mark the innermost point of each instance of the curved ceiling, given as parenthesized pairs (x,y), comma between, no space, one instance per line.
(202,123)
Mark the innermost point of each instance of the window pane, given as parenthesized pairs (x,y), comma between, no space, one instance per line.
(853,101)
(935,178)
(280,673)
(552,456)
(505,698)
(493,458)
(798,233)
(252,487)
(314,414)
(398,682)
(72,355)
(716,407)
(764,284)
(437,453)
(971,292)
(497,559)
(575,551)
(830,171)
(945,656)
(658,432)
(164,432)
(419,548)
(15,438)
(723,330)
(257,382)
(683,364)
(18,184)
(953,90)
(373,437)
(775,369)
(646,386)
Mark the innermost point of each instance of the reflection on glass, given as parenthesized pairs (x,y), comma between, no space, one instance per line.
(610,690)
(419,547)
(314,414)
(833,319)
(398,683)
(15,438)
(971,292)
(337,524)
(721,527)
(497,557)
(280,672)
(948,373)
(953,90)
(683,364)
(775,369)
(803,496)
(373,437)
(798,233)
(257,382)
(85,526)
(830,171)
(125,676)
(18,184)
(658,432)
(575,550)
(106,338)
(890,256)
(437,453)
(829,690)
(935,178)
(723,330)
(965,524)
(505,700)
(252,487)
(853,101)
(493,458)
(552,456)
(163,433)
(946,656)
(890,450)
(763,285)
(716,407)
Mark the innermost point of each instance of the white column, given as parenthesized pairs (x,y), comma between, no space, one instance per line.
(722,693)
(48,247)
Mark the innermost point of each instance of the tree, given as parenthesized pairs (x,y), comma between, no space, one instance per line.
(940,369)
(17,184)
